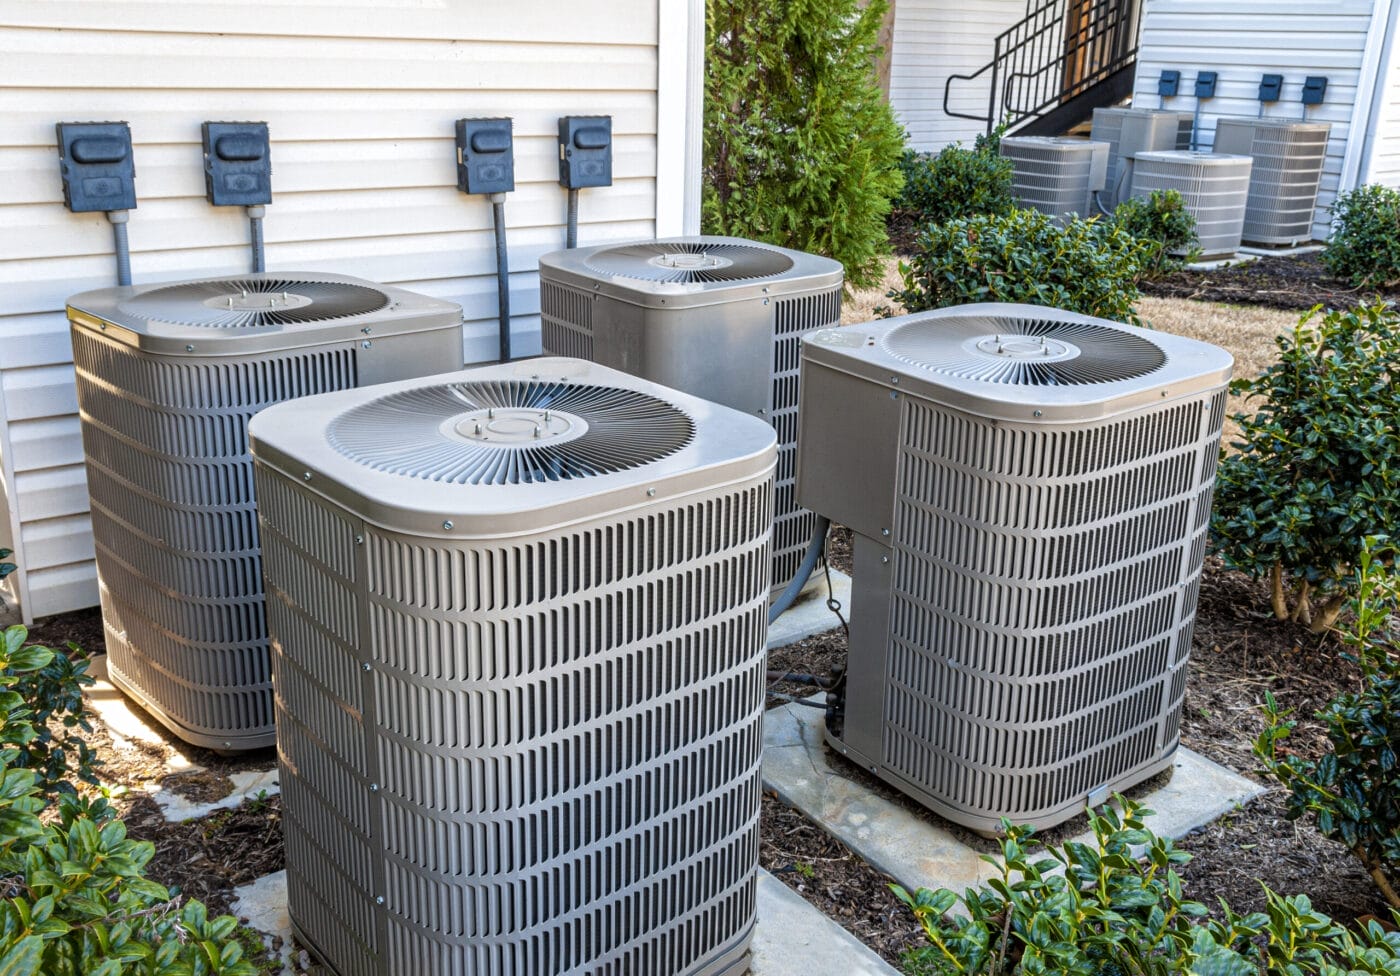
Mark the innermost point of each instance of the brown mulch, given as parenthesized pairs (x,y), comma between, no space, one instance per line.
(1292,283)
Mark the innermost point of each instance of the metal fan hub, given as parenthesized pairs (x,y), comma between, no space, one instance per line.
(690,262)
(511,426)
(1037,348)
(258,301)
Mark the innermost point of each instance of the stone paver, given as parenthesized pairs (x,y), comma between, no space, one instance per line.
(791,939)
(921,852)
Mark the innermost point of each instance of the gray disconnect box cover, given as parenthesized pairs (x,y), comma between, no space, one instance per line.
(585,151)
(485,156)
(95,161)
(237,163)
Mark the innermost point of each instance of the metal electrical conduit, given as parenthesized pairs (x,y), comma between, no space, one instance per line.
(804,571)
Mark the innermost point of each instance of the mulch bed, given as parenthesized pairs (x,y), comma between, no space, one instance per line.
(1289,283)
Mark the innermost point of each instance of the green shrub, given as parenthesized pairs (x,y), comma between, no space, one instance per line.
(1318,469)
(801,147)
(1353,792)
(1365,245)
(1164,226)
(54,694)
(1116,907)
(6,568)
(77,900)
(957,182)
(1023,256)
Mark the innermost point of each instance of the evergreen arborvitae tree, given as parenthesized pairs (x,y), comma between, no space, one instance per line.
(801,147)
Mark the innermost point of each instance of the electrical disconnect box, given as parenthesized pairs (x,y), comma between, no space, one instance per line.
(1169,83)
(1270,88)
(1314,87)
(96,163)
(585,151)
(485,156)
(1205,84)
(237,164)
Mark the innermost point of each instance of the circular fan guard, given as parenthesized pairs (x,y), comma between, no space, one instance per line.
(419,433)
(240,303)
(1020,351)
(689,262)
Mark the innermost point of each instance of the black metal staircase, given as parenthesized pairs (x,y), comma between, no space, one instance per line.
(1051,69)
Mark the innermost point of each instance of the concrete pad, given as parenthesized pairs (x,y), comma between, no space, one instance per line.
(791,938)
(918,849)
(1284,252)
(1239,257)
(248,785)
(808,614)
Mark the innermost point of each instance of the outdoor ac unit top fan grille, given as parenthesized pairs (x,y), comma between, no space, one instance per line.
(509,433)
(240,303)
(1024,352)
(690,262)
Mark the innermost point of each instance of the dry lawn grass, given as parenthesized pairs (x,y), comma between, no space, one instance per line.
(1246,331)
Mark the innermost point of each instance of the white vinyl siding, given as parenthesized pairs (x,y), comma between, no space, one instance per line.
(360,98)
(1245,39)
(1382,162)
(934,39)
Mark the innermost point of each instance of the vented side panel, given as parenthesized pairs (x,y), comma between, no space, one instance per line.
(536,757)
(1054,178)
(566,321)
(1044,589)
(171,489)
(793,525)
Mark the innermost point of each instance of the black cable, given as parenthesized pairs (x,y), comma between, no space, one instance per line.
(498,216)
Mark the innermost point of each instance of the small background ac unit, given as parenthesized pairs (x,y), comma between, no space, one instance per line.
(168,377)
(1129,131)
(1057,175)
(721,318)
(518,619)
(1288,159)
(1214,187)
(1029,491)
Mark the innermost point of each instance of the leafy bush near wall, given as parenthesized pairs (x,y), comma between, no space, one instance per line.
(1318,466)
(957,183)
(1085,266)
(1164,226)
(1352,794)
(1116,907)
(77,899)
(1365,244)
(801,147)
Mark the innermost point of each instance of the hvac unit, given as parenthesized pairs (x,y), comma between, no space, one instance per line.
(720,318)
(168,377)
(1056,175)
(1288,158)
(1029,491)
(1129,131)
(518,618)
(1213,186)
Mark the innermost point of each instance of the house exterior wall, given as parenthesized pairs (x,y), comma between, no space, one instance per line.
(1244,39)
(1379,159)
(360,97)
(934,39)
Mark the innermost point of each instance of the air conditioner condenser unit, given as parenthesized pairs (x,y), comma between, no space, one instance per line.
(518,619)
(1288,158)
(721,318)
(168,376)
(1129,131)
(1029,491)
(1214,188)
(1057,175)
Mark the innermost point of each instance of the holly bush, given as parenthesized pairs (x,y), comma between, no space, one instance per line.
(1163,224)
(1318,466)
(77,901)
(1024,256)
(1365,244)
(801,147)
(957,182)
(1353,792)
(1116,907)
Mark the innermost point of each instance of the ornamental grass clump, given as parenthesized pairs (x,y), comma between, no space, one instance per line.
(1317,468)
